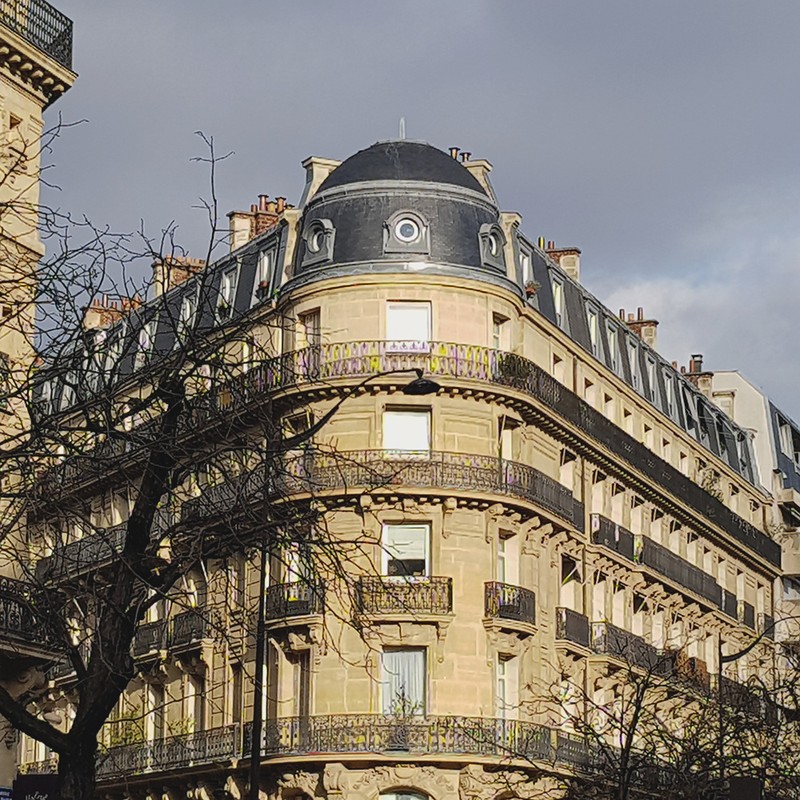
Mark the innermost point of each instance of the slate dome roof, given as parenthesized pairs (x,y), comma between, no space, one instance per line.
(402,160)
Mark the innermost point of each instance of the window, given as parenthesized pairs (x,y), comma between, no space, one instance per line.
(235,698)
(403,681)
(144,346)
(227,294)
(613,346)
(525,264)
(499,332)
(186,318)
(154,719)
(492,242)
(669,392)
(406,233)
(633,358)
(309,331)
(592,319)
(558,301)
(408,327)
(786,438)
(266,260)
(407,433)
(114,351)
(507,687)
(194,702)
(651,378)
(405,550)
(507,558)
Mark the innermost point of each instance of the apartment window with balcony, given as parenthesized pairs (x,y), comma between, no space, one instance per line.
(507,687)
(155,712)
(570,592)
(500,332)
(407,432)
(507,558)
(405,551)
(235,694)
(558,368)
(408,327)
(639,615)
(301,684)
(309,329)
(404,679)
(194,702)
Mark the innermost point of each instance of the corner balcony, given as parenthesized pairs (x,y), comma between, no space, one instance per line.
(417,735)
(414,596)
(188,630)
(509,607)
(25,630)
(573,627)
(43,26)
(288,601)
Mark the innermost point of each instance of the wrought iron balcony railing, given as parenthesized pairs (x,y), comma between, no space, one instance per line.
(45,27)
(608,639)
(747,614)
(607,533)
(573,627)
(24,618)
(377,733)
(297,599)
(150,637)
(188,628)
(677,569)
(192,749)
(90,552)
(505,601)
(413,595)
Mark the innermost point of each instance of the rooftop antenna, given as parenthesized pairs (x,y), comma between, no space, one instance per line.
(402,127)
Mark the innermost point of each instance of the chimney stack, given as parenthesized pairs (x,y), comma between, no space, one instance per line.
(246,225)
(697,375)
(104,311)
(173,270)
(568,258)
(454,152)
(645,329)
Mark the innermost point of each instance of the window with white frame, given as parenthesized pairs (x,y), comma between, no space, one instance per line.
(227,294)
(186,318)
(613,346)
(651,377)
(266,260)
(405,551)
(403,681)
(633,359)
(114,350)
(507,687)
(669,392)
(408,326)
(500,332)
(407,432)
(145,343)
(592,319)
(558,301)
(527,268)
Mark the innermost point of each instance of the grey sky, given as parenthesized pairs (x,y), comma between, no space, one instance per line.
(661,138)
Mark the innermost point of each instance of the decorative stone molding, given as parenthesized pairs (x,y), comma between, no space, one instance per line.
(475,783)
(369,784)
(335,780)
(291,783)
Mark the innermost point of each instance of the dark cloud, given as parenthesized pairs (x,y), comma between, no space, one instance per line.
(659,137)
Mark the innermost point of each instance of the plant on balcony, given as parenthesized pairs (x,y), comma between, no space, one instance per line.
(531,287)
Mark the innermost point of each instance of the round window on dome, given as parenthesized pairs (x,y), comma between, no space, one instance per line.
(494,244)
(407,230)
(315,240)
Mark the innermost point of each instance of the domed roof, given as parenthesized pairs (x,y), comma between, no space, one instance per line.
(402,160)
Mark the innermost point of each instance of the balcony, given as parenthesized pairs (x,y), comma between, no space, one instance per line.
(607,533)
(298,599)
(609,640)
(173,752)
(729,604)
(43,26)
(505,602)
(572,626)
(88,553)
(424,735)
(414,596)
(746,614)
(25,629)
(150,639)
(766,626)
(692,671)
(677,570)
(188,629)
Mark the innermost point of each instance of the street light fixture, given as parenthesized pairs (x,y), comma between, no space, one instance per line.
(419,386)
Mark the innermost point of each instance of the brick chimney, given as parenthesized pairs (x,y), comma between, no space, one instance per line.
(172,270)
(246,225)
(697,375)
(645,329)
(104,311)
(568,258)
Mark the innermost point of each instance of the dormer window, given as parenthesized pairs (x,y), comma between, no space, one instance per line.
(266,260)
(145,342)
(492,242)
(406,232)
(318,240)
(186,319)
(558,301)
(227,294)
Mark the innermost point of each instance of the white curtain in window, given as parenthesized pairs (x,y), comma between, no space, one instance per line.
(408,322)
(405,549)
(404,681)
(406,431)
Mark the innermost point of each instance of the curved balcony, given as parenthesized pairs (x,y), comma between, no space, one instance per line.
(296,599)
(506,602)
(356,470)
(413,595)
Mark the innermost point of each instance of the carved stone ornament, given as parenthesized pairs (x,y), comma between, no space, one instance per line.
(292,782)
(474,783)
(335,779)
(426,780)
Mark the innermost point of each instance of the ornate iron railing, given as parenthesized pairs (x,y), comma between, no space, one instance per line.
(150,637)
(573,627)
(90,552)
(188,627)
(423,595)
(203,747)
(24,617)
(376,733)
(47,767)
(577,752)
(610,640)
(607,533)
(42,25)
(506,601)
(295,599)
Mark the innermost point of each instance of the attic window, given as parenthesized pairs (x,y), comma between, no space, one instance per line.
(406,232)
(492,242)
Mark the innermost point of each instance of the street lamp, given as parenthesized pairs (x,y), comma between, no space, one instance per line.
(419,386)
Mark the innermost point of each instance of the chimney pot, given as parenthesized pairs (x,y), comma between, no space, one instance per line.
(683,370)
(622,313)
(465,156)
(253,208)
(454,152)
(280,204)
(262,202)
(630,316)
(640,314)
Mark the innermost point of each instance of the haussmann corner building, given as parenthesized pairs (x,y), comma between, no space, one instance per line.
(560,506)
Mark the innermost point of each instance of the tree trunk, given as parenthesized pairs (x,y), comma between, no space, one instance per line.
(76,772)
